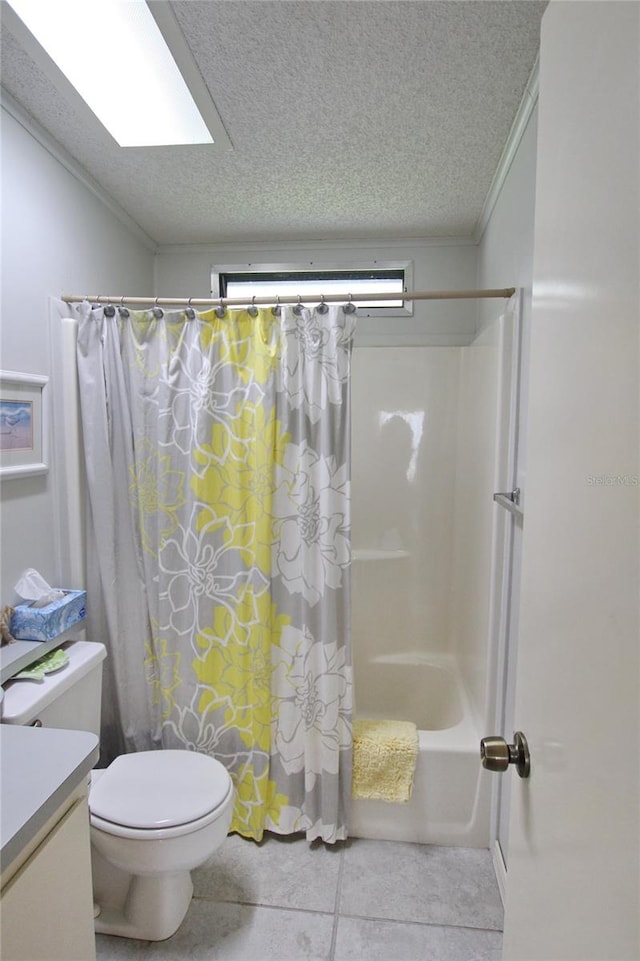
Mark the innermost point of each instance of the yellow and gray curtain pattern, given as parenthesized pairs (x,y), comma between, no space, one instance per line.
(217,460)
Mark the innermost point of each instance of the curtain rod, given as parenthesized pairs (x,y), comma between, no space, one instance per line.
(504,292)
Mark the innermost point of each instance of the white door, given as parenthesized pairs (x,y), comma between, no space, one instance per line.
(574,852)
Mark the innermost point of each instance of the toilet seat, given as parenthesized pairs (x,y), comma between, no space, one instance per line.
(159,793)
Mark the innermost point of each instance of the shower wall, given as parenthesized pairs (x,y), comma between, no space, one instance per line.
(482,455)
(404,437)
(426,451)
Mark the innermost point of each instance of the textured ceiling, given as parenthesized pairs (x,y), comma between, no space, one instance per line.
(348,119)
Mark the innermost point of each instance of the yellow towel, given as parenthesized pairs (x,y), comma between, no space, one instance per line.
(384,759)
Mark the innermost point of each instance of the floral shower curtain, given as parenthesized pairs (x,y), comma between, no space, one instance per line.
(217,460)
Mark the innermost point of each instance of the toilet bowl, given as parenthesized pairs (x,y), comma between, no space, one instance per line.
(155,816)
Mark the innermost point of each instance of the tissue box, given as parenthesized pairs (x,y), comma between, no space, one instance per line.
(44,623)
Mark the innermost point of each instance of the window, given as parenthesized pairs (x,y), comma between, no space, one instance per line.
(266,280)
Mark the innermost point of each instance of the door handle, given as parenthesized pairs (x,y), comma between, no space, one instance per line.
(497,755)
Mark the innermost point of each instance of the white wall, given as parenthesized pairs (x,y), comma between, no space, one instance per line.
(57,237)
(505,252)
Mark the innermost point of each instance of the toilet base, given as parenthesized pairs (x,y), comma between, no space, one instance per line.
(153,909)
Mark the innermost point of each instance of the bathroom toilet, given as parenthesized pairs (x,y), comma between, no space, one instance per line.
(155,815)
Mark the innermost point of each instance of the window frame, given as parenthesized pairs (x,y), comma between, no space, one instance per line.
(317,268)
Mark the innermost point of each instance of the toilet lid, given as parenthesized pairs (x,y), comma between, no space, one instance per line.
(156,789)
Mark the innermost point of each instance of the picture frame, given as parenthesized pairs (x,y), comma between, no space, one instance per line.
(24,446)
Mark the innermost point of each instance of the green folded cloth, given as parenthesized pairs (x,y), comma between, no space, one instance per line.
(52,661)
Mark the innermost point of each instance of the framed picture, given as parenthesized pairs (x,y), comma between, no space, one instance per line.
(23,424)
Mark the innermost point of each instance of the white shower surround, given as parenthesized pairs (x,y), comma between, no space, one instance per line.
(427,453)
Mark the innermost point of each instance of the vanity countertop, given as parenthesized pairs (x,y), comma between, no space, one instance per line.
(39,769)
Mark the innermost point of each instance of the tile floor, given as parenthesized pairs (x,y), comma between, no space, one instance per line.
(286,900)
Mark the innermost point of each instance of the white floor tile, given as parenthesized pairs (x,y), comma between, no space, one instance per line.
(419,882)
(360,940)
(281,872)
(238,932)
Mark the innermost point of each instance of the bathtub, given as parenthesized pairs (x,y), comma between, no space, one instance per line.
(451,793)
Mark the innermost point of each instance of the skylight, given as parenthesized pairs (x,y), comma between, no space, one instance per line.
(113,53)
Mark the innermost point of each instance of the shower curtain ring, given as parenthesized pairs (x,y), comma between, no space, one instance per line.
(298,307)
(276,310)
(349,308)
(220,310)
(323,308)
(190,312)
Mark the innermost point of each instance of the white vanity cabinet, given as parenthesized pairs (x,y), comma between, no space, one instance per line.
(46,899)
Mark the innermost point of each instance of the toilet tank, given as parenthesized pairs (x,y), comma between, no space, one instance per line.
(68,698)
